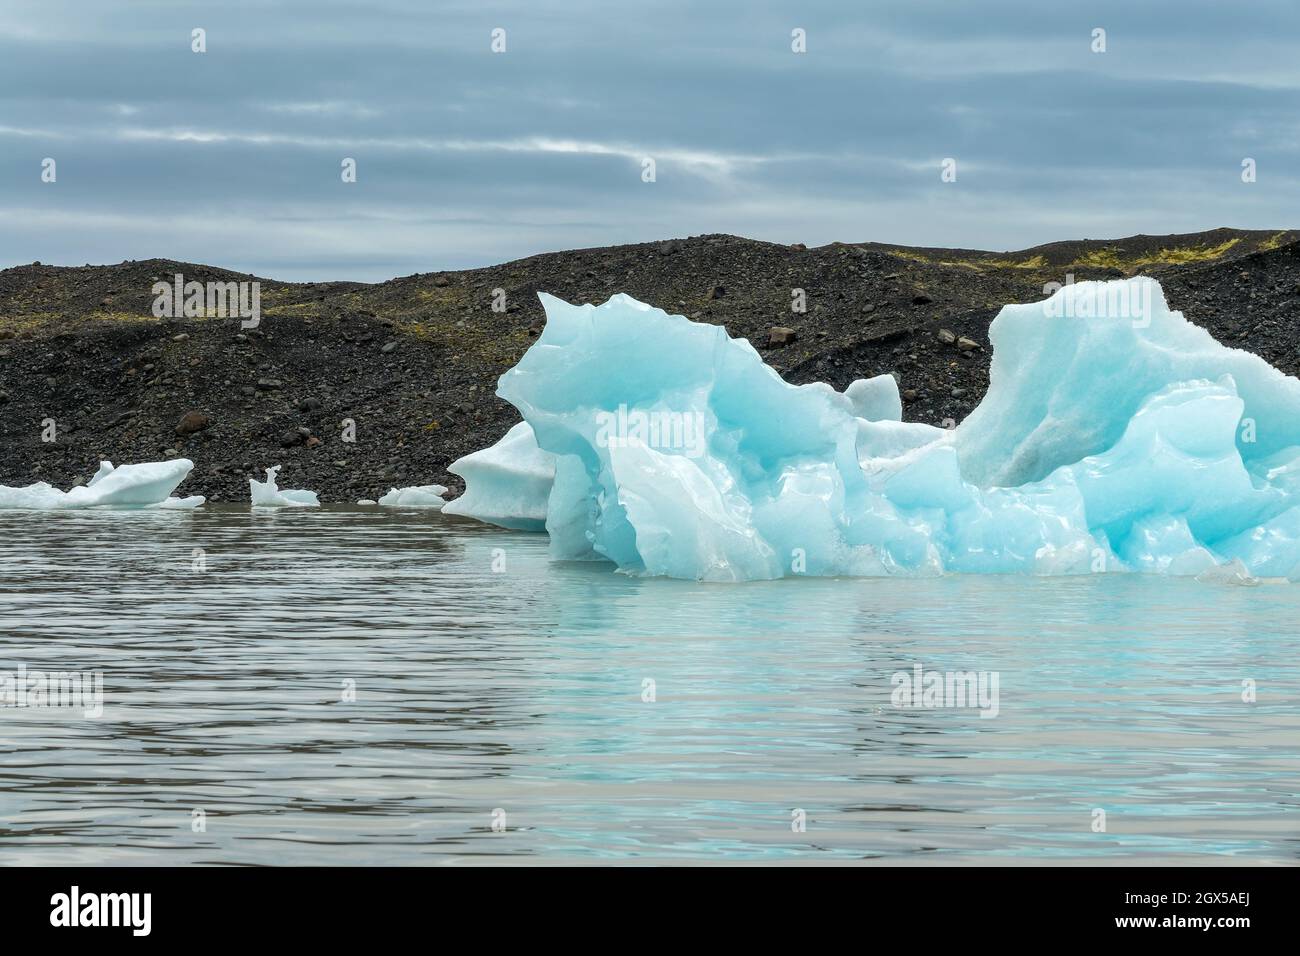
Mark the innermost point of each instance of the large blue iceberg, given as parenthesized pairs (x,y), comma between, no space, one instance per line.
(1114,436)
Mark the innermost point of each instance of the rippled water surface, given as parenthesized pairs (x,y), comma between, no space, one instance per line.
(595,717)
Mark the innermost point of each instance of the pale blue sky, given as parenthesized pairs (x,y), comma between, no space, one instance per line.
(466,157)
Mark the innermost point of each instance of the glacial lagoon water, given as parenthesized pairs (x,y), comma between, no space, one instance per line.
(503,707)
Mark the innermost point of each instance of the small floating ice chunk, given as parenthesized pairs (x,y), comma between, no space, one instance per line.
(507,484)
(144,485)
(367,501)
(417,496)
(180,504)
(1233,572)
(266,494)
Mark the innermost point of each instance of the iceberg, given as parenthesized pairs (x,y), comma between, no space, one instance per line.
(418,496)
(507,484)
(266,494)
(144,485)
(1114,436)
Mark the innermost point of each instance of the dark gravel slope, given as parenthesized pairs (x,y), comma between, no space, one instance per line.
(413,362)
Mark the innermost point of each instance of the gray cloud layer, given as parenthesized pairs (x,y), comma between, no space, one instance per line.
(466,157)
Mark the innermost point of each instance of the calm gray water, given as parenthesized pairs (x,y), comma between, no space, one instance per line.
(521,696)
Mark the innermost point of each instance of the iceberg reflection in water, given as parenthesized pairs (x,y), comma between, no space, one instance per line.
(525,689)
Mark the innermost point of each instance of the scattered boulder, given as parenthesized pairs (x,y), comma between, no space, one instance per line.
(268,384)
(193,421)
(781,335)
(967,345)
(946,337)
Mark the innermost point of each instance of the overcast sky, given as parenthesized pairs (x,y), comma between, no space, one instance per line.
(469,157)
